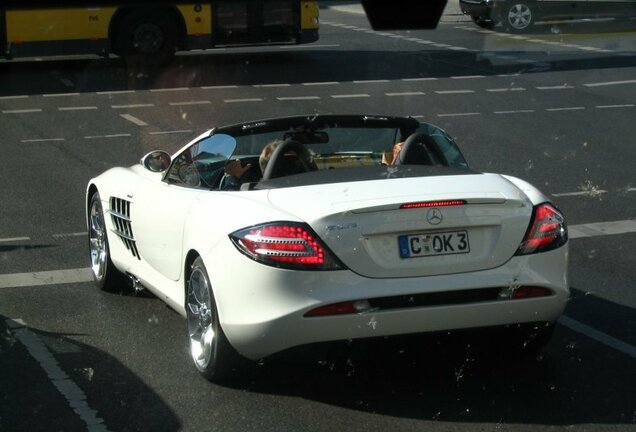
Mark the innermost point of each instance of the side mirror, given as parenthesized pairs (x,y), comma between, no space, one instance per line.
(156,161)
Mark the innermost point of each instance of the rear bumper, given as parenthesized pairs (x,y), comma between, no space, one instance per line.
(262,309)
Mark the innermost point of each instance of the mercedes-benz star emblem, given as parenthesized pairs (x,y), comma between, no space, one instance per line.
(434,216)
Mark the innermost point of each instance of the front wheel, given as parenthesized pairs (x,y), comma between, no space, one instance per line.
(105,274)
(148,36)
(518,16)
(210,350)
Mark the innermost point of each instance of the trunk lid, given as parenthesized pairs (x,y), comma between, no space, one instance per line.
(363,225)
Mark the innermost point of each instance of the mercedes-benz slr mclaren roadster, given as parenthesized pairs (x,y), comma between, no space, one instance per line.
(327,228)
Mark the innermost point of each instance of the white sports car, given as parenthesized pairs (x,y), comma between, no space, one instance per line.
(335,228)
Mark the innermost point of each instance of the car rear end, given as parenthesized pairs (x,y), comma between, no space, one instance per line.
(391,257)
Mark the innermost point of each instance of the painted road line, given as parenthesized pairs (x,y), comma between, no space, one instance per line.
(565,109)
(77,108)
(123,135)
(514,112)
(68,235)
(22,111)
(460,77)
(556,87)
(293,98)
(580,193)
(449,92)
(602,228)
(187,103)
(141,105)
(14,239)
(309,46)
(52,277)
(411,93)
(171,132)
(37,140)
(505,89)
(52,95)
(377,81)
(14,97)
(609,83)
(133,119)
(243,100)
(323,83)
(271,85)
(631,189)
(167,90)
(345,96)
(614,106)
(459,114)
(115,92)
(219,87)
(598,336)
(73,394)
(419,79)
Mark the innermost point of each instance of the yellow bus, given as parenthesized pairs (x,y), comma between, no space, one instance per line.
(153,32)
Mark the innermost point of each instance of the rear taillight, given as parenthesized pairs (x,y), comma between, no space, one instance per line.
(547,231)
(289,245)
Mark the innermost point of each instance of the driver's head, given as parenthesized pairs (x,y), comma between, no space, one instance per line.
(266,154)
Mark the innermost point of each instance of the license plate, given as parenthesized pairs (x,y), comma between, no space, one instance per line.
(434,244)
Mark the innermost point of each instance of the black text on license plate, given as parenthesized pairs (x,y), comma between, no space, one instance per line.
(442,243)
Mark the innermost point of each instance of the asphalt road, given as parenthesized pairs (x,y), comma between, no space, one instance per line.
(555,107)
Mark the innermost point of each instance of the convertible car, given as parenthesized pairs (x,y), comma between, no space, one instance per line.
(339,227)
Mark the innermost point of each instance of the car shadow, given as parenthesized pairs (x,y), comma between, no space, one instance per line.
(30,401)
(464,381)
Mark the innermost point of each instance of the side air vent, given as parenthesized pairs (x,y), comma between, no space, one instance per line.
(120,215)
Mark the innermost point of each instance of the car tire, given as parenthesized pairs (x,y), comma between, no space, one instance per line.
(518,16)
(212,354)
(149,37)
(105,274)
(484,23)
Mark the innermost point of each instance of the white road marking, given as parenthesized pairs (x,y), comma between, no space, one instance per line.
(557,87)
(467,77)
(171,132)
(41,140)
(22,111)
(14,239)
(448,92)
(219,87)
(602,228)
(291,98)
(107,136)
(580,193)
(459,114)
(166,90)
(67,235)
(411,93)
(141,105)
(309,46)
(186,103)
(77,108)
(271,85)
(631,189)
(133,119)
(598,336)
(609,83)
(73,394)
(514,111)
(419,79)
(52,277)
(243,100)
(505,89)
(51,95)
(323,83)
(344,96)
(371,81)
(115,92)
(565,109)
(614,106)
(14,97)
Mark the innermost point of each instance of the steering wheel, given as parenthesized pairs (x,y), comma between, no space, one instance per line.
(414,150)
(275,166)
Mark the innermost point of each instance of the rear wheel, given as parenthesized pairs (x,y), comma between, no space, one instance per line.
(105,274)
(210,350)
(148,36)
(518,16)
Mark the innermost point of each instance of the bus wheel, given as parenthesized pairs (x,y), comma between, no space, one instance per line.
(147,36)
